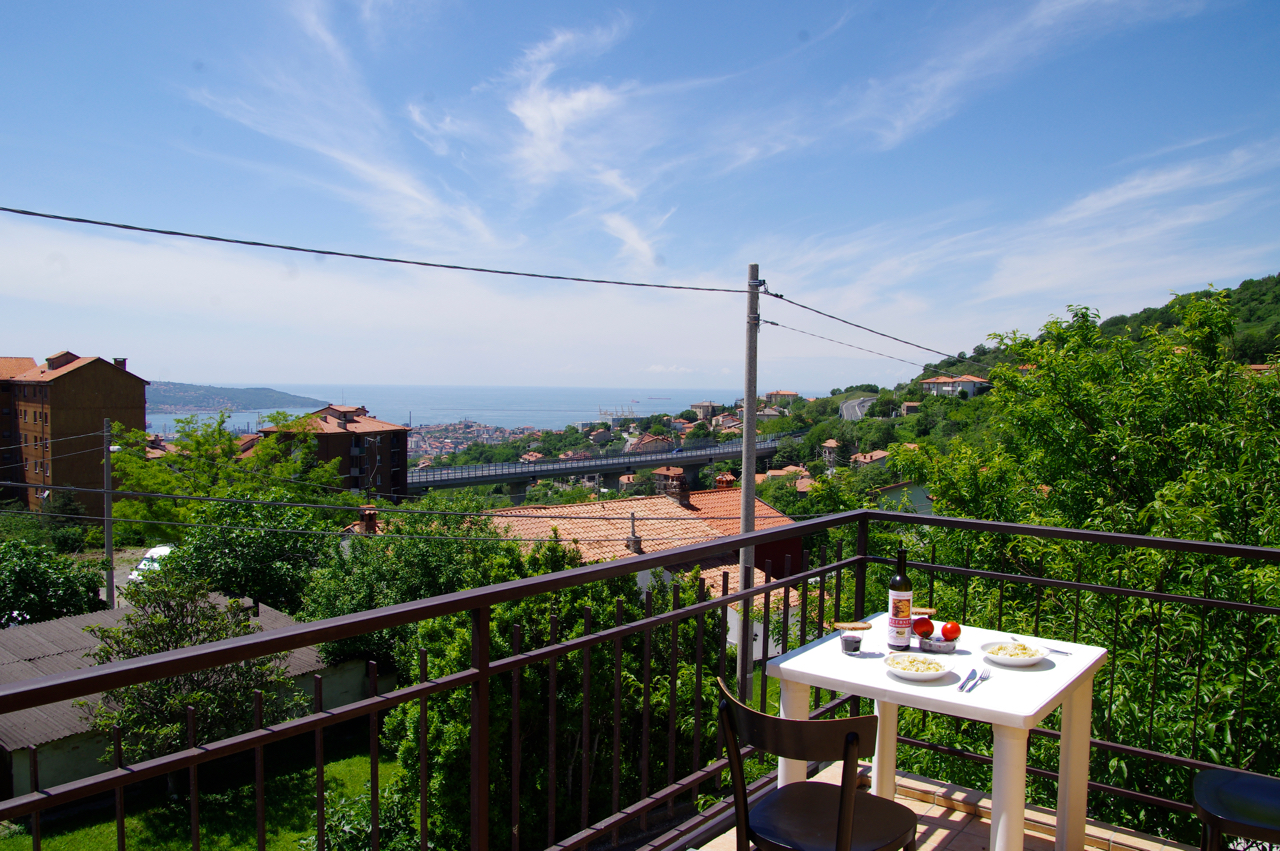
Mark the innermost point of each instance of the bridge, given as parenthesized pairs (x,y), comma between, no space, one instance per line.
(692,457)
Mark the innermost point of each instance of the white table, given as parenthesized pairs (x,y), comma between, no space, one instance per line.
(1013,701)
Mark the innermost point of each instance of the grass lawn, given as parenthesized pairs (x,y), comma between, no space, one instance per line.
(227,815)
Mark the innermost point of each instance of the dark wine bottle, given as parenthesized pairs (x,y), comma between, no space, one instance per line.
(900,606)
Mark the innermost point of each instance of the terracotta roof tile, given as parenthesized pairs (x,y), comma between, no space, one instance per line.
(9,367)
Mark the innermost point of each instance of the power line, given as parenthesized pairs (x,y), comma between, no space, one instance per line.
(870,330)
(328,253)
(380,536)
(859,348)
(330,507)
(50,458)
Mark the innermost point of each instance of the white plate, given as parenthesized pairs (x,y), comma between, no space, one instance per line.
(918,676)
(1012,661)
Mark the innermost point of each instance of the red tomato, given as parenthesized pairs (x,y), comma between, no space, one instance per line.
(923,627)
(950,631)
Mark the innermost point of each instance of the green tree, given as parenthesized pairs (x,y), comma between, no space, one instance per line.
(170,612)
(207,460)
(243,550)
(39,584)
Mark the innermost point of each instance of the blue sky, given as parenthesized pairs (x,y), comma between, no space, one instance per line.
(939,171)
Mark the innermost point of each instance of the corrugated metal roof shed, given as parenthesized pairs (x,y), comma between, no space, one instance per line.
(57,646)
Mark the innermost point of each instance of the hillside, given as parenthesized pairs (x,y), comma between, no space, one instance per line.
(169,397)
(1255,304)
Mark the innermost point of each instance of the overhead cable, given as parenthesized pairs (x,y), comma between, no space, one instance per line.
(329,253)
(859,348)
(331,507)
(340,532)
(870,330)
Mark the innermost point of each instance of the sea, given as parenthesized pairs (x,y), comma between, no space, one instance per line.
(509,407)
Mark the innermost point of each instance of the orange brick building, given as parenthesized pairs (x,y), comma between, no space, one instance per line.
(58,409)
(373,453)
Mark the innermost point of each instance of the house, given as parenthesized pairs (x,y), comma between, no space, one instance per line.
(828,449)
(10,435)
(1025,369)
(530,457)
(371,452)
(725,480)
(781,397)
(951,386)
(681,426)
(59,732)
(704,410)
(770,414)
(669,479)
(604,531)
(904,495)
(862,459)
(58,412)
(650,443)
(909,408)
(726,421)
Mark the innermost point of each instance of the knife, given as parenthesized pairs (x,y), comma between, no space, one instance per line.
(973,673)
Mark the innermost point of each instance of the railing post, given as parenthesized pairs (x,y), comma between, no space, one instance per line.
(860,573)
(480,730)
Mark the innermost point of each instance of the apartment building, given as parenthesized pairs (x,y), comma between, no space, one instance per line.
(373,453)
(58,412)
(10,436)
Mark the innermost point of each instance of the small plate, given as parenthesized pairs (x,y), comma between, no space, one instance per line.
(1013,661)
(918,676)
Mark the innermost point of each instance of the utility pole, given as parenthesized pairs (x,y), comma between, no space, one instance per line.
(747,555)
(106,513)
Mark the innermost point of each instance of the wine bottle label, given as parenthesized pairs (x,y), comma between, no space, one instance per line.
(899,618)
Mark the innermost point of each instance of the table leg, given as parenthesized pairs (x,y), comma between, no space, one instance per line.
(1008,788)
(793,702)
(1073,765)
(884,776)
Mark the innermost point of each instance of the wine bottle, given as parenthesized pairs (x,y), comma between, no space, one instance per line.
(900,606)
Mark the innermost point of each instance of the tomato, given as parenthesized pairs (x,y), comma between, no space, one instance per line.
(950,631)
(923,627)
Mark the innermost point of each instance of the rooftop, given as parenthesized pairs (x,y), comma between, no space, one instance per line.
(61,645)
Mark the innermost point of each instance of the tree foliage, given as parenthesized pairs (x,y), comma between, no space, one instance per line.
(242,550)
(172,611)
(207,461)
(39,584)
(1162,436)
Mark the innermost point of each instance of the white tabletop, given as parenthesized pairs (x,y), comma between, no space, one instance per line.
(1012,697)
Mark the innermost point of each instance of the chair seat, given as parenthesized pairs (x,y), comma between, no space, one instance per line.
(1239,804)
(802,817)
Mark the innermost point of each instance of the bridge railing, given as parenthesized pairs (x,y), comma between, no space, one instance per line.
(697,449)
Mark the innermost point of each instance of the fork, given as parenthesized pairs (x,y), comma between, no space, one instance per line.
(1045,646)
(985,675)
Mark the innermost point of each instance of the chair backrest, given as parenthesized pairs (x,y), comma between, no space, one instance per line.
(794,738)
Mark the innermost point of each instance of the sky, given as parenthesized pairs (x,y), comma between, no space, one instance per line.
(936,171)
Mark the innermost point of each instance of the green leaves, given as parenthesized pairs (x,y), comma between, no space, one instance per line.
(38,584)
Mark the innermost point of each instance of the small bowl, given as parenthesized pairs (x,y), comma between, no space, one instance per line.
(917,676)
(937,645)
(1013,661)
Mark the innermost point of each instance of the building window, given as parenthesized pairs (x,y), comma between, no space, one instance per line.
(39,467)
(48,468)
(379,479)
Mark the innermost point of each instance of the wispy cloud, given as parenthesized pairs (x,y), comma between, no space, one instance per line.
(318,102)
(907,103)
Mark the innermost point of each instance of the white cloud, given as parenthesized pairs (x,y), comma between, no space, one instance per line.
(673,368)
(912,101)
(316,101)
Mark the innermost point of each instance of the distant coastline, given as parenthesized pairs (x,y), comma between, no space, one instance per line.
(169,397)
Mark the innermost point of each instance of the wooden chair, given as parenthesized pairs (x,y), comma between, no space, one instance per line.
(1236,803)
(811,816)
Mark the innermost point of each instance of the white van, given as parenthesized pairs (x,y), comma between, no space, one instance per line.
(150,561)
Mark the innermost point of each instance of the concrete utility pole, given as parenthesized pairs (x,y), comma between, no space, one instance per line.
(747,555)
(106,513)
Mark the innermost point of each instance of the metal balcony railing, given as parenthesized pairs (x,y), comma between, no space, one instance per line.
(692,762)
